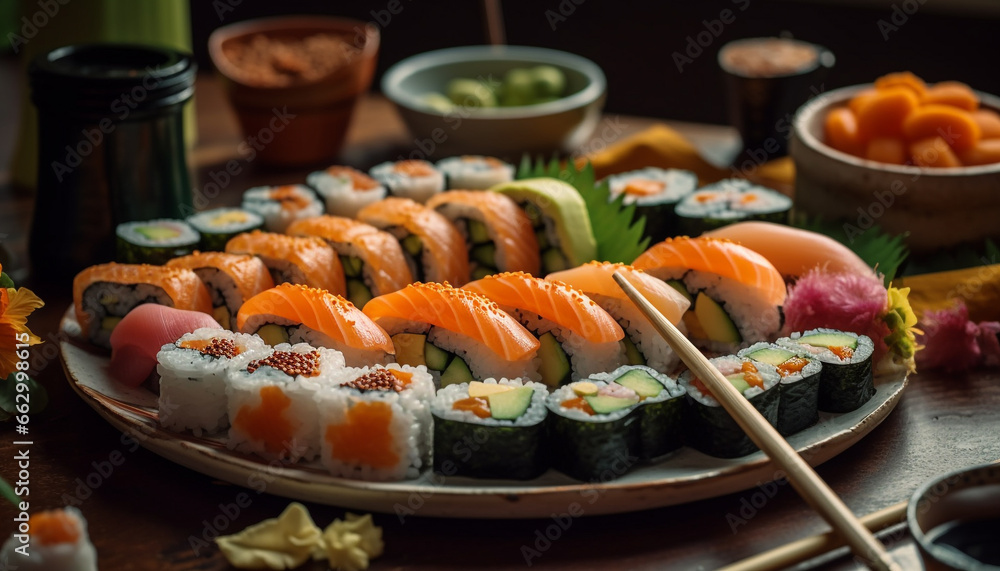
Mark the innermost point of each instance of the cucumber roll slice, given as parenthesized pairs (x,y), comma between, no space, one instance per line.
(155,241)
(490,429)
(846,379)
(660,408)
(655,193)
(800,379)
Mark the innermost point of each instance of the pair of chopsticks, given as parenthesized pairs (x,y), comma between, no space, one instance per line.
(803,478)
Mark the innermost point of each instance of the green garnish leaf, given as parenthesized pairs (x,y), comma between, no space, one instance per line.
(38,397)
(619,235)
(878,249)
(7,493)
(5,281)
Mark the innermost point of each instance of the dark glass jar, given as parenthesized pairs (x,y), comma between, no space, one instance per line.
(111,148)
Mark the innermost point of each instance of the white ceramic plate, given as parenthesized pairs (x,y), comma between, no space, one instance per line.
(683,477)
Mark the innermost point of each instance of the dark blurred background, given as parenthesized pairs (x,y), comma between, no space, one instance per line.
(634,41)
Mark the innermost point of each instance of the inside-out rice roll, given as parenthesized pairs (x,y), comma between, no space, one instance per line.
(282,205)
(414,179)
(345,190)
(307,261)
(231,279)
(475,172)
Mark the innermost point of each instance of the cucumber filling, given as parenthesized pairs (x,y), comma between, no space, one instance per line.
(555,367)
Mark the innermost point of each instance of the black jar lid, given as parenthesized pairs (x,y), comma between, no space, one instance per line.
(119,81)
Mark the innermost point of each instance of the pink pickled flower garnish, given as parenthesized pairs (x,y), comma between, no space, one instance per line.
(989,343)
(849,302)
(950,340)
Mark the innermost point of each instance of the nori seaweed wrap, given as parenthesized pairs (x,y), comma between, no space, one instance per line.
(218,225)
(846,381)
(155,241)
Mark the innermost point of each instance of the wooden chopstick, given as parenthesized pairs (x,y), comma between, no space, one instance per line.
(803,478)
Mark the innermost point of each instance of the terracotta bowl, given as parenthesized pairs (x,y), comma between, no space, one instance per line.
(507,132)
(938,207)
(302,124)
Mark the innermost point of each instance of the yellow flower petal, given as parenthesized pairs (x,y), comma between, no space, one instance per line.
(21,303)
(284,542)
(352,544)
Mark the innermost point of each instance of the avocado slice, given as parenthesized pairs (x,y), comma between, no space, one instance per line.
(222,316)
(771,356)
(681,288)
(157,233)
(562,207)
(553,260)
(510,405)
(555,369)
(273,334)
(352,266)
(632,353)
(457,372)
(485,255)
(478,233)
(829,340)
(738,381)
(412,244)
(436,358)
(714,320)
(606,405)
(358,293)
(410,348)
(641,382)
(110,322)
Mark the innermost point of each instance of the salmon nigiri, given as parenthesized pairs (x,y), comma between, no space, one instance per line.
(292,313)
(104,294)
(735,292)
(373,260)
(442,327)
(434,247)
(577,337)
(306,261)
(643,345)
(499,234)
(231,279)
(793,251)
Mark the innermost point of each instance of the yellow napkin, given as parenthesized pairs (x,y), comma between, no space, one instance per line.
(661,146)
(978,287)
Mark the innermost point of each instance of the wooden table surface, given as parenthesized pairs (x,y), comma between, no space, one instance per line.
(147,513)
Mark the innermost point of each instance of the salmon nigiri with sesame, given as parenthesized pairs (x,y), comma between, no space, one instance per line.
(460,336)
(291,313)
(577,337)
(735,293)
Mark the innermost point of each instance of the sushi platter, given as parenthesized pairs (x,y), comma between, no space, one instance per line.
(684,476)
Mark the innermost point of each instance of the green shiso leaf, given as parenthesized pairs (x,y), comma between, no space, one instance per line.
(618,234)
(878,249)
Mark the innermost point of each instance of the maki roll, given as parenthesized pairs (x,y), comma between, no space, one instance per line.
(272,401)
(800,378)
(193,377)
(231,279)
(375,424)
(642,343)
(593,433)
(710,429)
(728,201)
(498,234)
(735,293)
(660,409)
(434,248)
(460,336)
(373,260)
(282,205)
(104,294)
(57,540)
(306,261)
(475,172)
(154,241)
(577,338)
(413,179)
(218,225)
(504,420)
(846,381)
(345,190)
(560,219)
(655,192)
(298,314)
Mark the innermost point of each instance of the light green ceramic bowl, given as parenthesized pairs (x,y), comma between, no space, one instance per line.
(507,132)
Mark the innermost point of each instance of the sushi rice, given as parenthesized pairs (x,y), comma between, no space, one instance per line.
(69,548)
(193,378)
(475,172)
(398,453)
(345,190)
(414,179)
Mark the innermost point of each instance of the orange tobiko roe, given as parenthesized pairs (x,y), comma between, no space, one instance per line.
(883,114)
(985,152)
(902,79)
(951,93)
(957,126)
(841,127)
(53,527)
(933,152)
(989,123)
(886,150)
